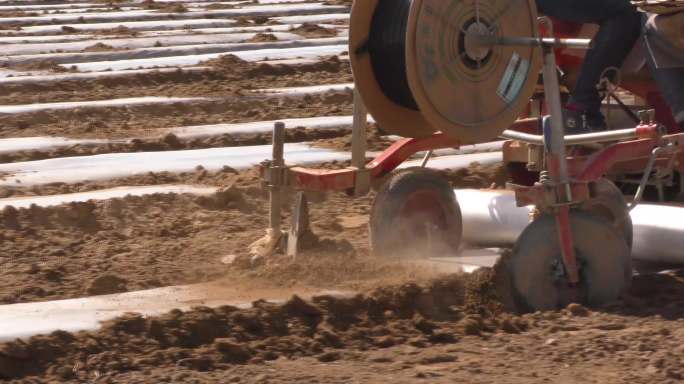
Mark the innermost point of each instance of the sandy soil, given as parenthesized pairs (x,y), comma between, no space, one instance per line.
(447,330)
(158,240)
(227,82)
(406,325)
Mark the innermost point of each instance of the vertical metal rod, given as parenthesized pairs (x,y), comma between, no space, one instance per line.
(426,158)
(556,146)
(645,177)
(557,162)
(276,182)
(359,139)
(279,144)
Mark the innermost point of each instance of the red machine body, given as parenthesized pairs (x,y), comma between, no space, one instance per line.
(626,157)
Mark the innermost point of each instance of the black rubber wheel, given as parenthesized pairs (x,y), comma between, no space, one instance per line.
(534,275)
(416,215)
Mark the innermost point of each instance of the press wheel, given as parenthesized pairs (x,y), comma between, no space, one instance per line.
(609,203)
(534,274)
(415,215)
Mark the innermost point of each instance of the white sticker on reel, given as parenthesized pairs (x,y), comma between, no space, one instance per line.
(513,79)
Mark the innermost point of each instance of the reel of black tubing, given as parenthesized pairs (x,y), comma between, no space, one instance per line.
(417,83)
(387,49)
(377,42)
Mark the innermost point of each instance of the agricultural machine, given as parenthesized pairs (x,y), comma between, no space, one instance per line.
(446,73)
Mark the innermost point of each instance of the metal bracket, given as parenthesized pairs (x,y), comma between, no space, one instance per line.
(638,197)
(275,178)
(299,225)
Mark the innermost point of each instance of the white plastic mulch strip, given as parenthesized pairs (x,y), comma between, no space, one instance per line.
(190,60)
(51,78)
(344,58)
(86,314)
(139,42)
(293,91)
(85,16)
(138,15)
(16,144)
(8,73)
(132,25)
(458,161)
(35,7)
(109,166)
(11,145)
(190,33)
(173,51)
(200,131)
(20,321)
(127,102)
(104,194)
(342,29)
(325,18)
(8,40)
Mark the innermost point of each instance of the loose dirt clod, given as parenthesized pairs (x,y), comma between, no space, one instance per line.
(106,284)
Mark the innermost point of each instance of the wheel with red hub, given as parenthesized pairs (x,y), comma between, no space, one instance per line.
(416,215)
(533,275)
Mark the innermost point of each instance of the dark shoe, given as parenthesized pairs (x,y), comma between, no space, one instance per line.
(578,121)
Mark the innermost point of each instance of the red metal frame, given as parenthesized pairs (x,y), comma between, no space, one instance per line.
(342,180)
(583,169)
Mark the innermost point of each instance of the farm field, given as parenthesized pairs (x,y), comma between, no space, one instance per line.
(130,134)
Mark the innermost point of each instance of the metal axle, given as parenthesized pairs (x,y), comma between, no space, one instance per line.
(544,42)
(586,138)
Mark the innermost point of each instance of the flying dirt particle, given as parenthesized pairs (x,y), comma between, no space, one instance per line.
(329,338)
(32,269)
(78,214)
(68,29)
(442,337)
(418,342)
(99,47)
(471,326)
(507,325)
(107,284)
(424,325)
(385,342)
(8,366)
(226,198)
(611,326)
(313,30)
(577,310)
(437,358)
(172,141)
(55,274)
(262,38)
(328,357)
(229,169)
(114,208)
(232,351)
(10,217)
(229,259)
(196,363)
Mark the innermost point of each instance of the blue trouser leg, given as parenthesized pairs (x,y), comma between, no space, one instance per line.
(620,27)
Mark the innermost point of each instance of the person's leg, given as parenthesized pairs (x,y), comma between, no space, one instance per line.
(612,44)
(620,27)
